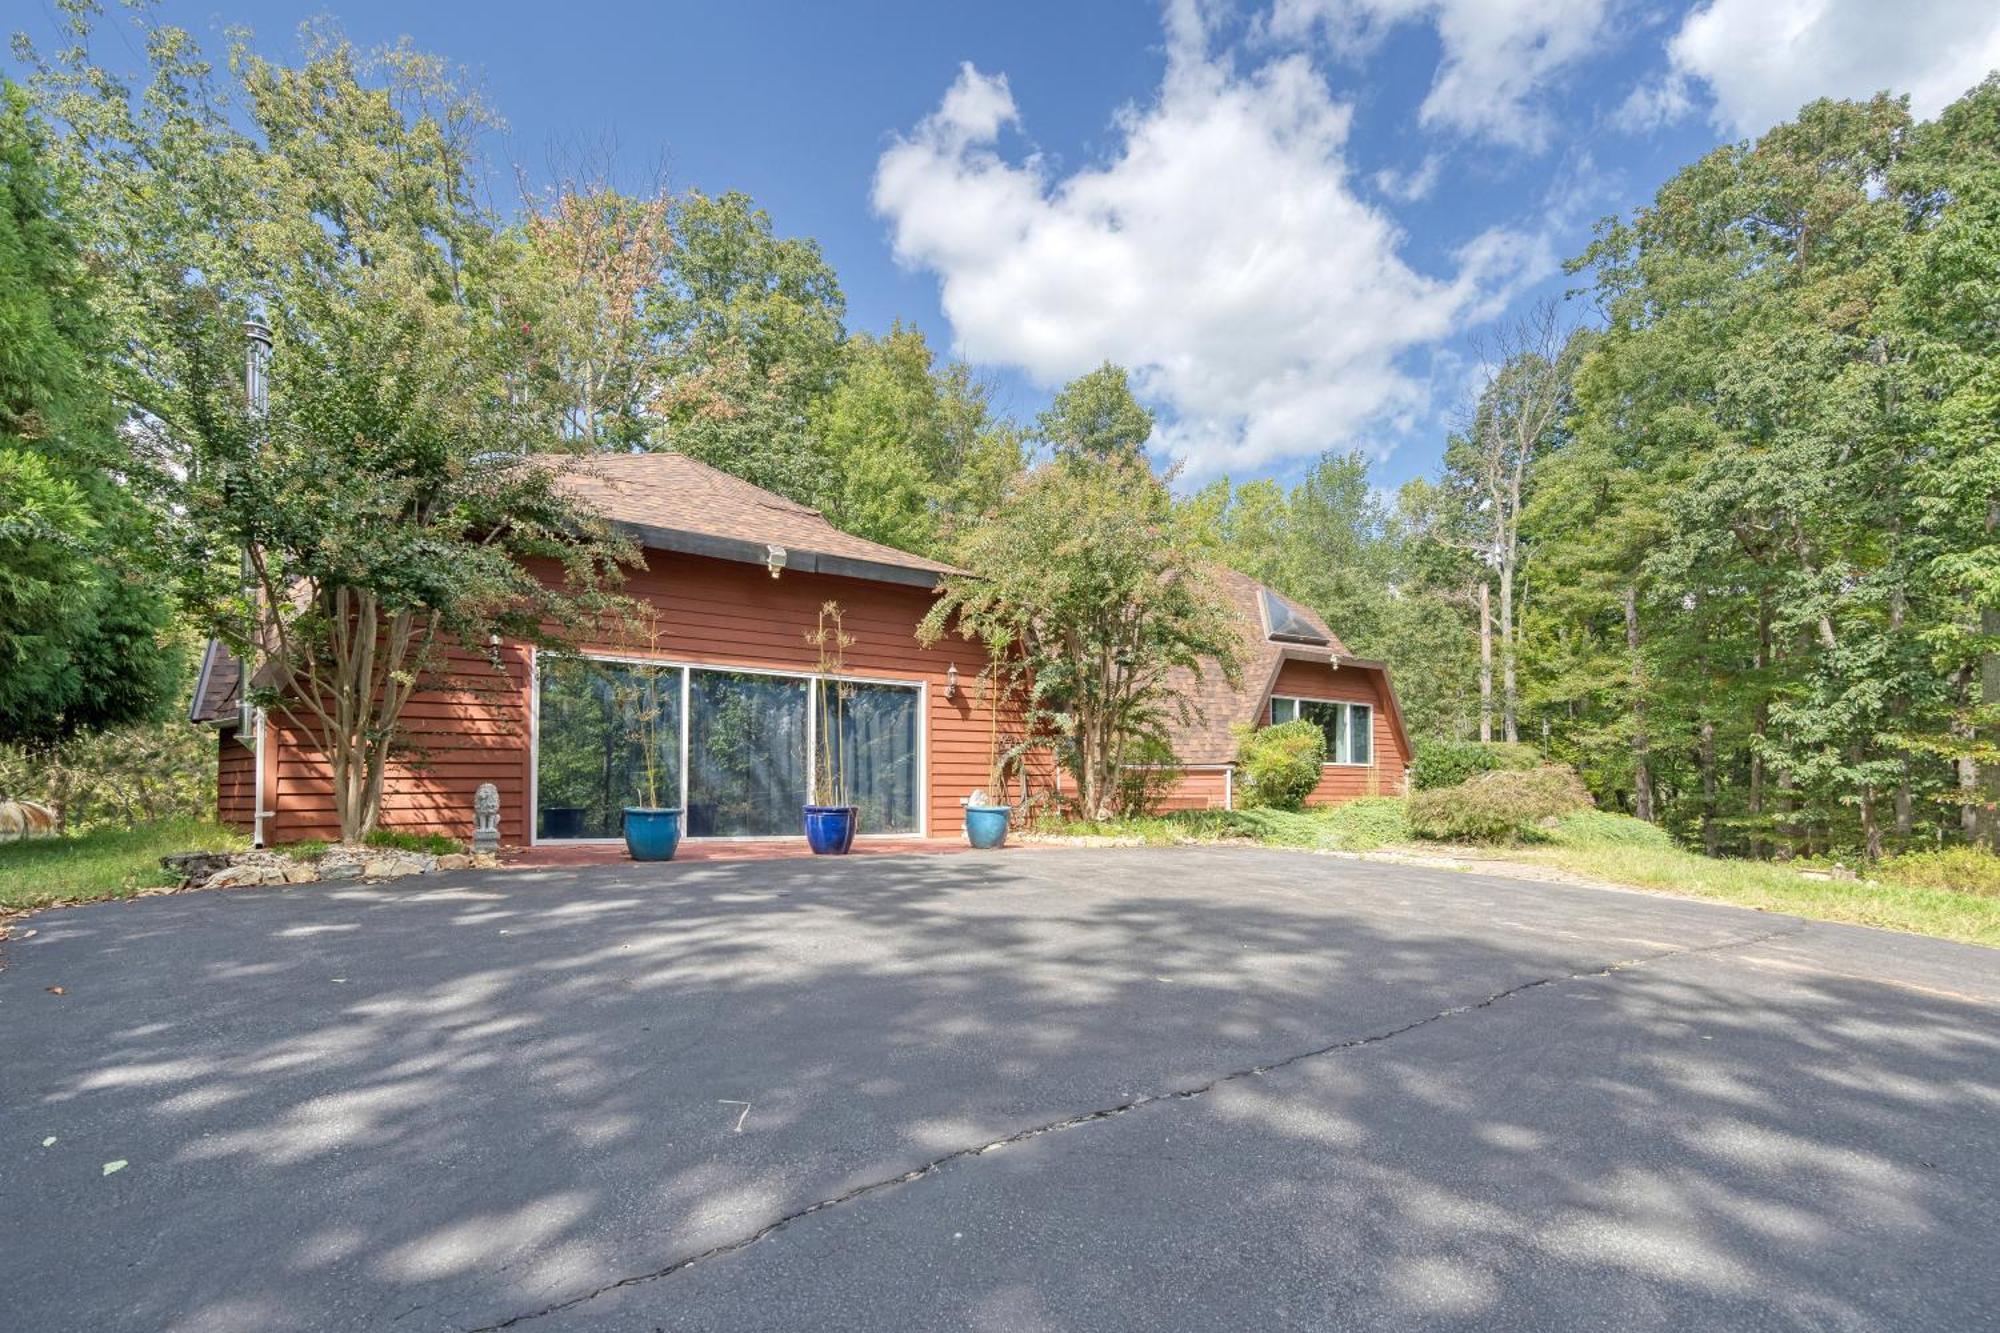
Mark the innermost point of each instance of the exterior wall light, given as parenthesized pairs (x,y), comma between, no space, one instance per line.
(951,681)
(774,558)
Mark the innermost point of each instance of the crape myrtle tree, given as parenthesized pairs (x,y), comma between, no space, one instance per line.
(378,513)
(1105,589)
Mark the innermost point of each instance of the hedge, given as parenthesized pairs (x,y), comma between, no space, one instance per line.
(1448,763)
(1501,806)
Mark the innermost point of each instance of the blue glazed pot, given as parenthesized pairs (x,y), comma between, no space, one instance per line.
(986,825)
(830,828)
(651,834)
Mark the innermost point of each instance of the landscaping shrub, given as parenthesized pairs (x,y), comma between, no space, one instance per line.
(1279,766)
(1501,806)
(1148,774)
(1964,869)
(433,844)
(1603,828)
(1448,763)
(1368,823)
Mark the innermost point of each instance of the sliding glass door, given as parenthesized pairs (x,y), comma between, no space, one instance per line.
(740,758)
(747,754)
(599,722)
(877,726)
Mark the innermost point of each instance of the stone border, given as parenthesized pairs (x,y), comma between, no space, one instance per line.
(240,870)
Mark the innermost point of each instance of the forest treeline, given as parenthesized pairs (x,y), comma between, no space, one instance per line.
(1722,532)
(1719,530)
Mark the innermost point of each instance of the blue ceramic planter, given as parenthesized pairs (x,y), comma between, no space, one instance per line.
(650,834)
(830,829)
(986,825)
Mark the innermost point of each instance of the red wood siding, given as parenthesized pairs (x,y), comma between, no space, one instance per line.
(474,728)
(1197,789)
(235,774)
(1350,684)
(468,727)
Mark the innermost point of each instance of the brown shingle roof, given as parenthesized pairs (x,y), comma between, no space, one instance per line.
(672,502)
(1205,739)
(215,689)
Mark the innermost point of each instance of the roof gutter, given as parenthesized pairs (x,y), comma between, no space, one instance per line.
(759,553)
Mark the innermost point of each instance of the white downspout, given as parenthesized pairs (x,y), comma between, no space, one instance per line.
(257,810)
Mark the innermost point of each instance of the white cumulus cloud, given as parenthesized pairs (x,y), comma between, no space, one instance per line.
(1761,60)
(1497,57)
(1221,253)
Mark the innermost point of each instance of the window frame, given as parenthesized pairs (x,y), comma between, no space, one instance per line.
(1347,708)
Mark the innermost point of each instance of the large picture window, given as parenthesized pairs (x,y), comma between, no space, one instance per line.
(1349,728)
(735,748)
(597,719)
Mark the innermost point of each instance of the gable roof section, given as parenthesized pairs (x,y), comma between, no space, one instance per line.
(1275,630)
(216,687)
(671,502)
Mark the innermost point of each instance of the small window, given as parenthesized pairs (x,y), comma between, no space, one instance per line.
(1284,710)
(1361,734)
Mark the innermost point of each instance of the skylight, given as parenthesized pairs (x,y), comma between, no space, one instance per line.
(1286,622)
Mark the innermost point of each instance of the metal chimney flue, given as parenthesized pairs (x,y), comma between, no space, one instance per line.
(256,358)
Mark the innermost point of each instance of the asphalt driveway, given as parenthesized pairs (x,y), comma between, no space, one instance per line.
(1201,1088)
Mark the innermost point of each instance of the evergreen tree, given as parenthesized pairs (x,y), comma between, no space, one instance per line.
(83,631)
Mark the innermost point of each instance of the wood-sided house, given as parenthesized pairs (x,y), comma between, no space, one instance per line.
(737,575)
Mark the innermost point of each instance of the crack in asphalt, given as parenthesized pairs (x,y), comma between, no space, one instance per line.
(1123,1108)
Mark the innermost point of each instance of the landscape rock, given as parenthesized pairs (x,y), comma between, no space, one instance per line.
(196,866)
(275,866)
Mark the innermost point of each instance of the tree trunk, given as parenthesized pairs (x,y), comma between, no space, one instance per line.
(1642,759)
(1989,694)
(1485,662)
(1760,720)
(1871,827)
(1898,707)
(1507,702)
(1710,834)
(1968,767)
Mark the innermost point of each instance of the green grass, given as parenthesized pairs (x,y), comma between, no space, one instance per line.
(104,863)
(1965,869)
(1600,829)
(1357,826)
(434,844)
(1950,914)
(1950,895)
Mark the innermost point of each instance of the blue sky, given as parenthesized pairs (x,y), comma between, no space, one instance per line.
(1294,220)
